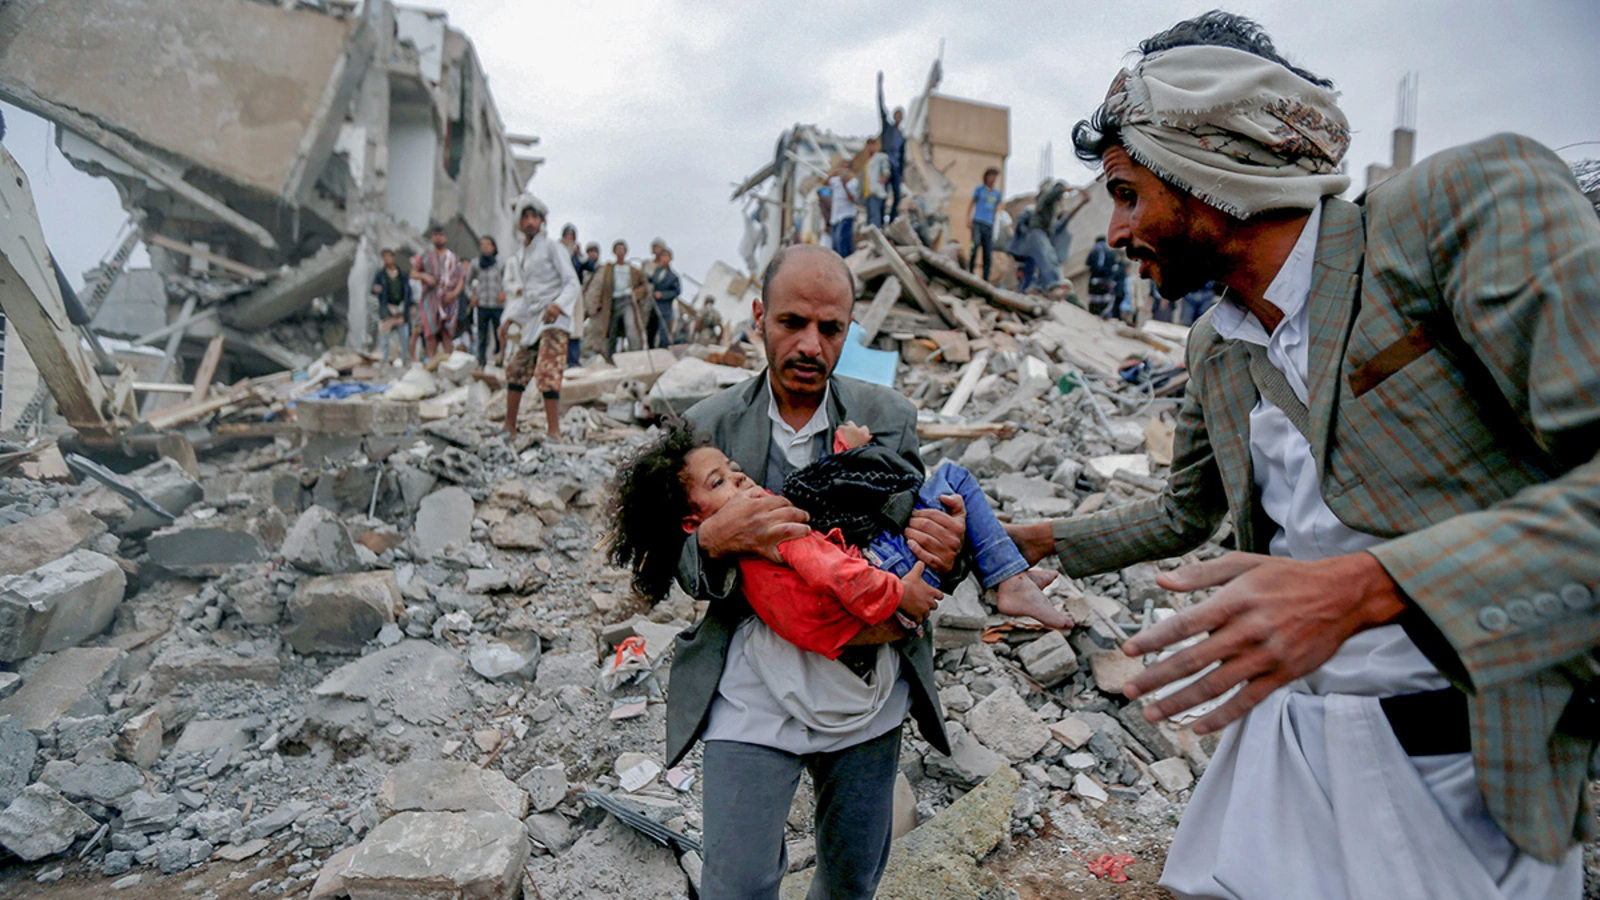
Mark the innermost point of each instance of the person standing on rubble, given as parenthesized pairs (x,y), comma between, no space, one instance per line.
(980,220)
(845,188)
(617,291)
(487,293)
(894,146)
(1398,403)
(392,287)
(542,290)
(754,752)
(664,289)
(875,190)
(440,271)
(708,324)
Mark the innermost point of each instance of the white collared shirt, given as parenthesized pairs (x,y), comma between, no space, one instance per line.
(798,446)
(1285,470)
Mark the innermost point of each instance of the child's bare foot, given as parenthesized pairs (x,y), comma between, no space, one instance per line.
(1042,577)
(1020,595)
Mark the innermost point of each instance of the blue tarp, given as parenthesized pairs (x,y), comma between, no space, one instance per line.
(858,361)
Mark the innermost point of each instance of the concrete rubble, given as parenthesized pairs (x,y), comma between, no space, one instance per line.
(363,649)
(351,648)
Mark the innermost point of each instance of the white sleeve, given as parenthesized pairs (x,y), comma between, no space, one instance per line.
(567,300)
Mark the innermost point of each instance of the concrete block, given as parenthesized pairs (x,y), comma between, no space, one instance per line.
(139,739)
(28,545)
(18,747)
(318,543)
(205,549)
(969,762)
(1173,774)
(447,785)
(101,780)
(168,485)
(58,605)
(1049,658)
(74,681)
(1072,732)
(41,823)
(1006,725)
(203,664)
(546,786)
(1113,669)
(475,855)
(356,416)
(445,517)
(340,613)
(1012,487)
(1015,454)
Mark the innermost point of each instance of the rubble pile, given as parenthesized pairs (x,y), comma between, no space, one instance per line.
(378,627)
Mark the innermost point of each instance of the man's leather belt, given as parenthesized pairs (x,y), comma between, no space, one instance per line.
(1430,723)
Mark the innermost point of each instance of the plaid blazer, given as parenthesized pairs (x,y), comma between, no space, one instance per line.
(1455,408)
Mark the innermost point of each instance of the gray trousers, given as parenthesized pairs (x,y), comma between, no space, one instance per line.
(746,796)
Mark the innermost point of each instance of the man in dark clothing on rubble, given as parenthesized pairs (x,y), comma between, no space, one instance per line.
(894,146)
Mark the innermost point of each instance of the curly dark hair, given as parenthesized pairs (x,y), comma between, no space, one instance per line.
(647,505)
(1092,137)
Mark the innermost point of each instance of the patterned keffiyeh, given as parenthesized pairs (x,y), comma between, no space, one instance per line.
(1240,132)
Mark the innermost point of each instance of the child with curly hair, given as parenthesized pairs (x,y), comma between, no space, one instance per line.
(854,570)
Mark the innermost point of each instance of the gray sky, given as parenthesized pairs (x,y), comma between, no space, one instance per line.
(649,112)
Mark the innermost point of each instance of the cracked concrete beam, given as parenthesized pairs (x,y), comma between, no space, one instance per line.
(321,274)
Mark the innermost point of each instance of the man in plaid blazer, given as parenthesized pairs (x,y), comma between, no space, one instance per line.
(1397,403)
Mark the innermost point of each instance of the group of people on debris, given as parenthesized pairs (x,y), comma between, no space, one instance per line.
(534,310)
(1395,401)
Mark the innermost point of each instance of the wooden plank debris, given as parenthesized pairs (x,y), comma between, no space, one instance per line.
(216,259)
(208,368)
(964,431)
(950,269)
(970,373)
(888,294)
(909,279)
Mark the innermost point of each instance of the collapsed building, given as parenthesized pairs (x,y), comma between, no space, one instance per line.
(267,156)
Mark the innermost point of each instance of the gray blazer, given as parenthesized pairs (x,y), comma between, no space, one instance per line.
(736,421)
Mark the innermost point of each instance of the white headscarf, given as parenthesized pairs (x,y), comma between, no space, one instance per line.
(1242,133)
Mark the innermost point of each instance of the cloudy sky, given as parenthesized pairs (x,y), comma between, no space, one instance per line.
(650,111)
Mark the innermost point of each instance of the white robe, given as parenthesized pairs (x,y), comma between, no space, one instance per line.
(1310,796)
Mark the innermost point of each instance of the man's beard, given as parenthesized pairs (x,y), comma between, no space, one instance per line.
(1184,263)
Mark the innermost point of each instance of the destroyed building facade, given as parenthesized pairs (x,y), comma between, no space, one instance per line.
(267,156)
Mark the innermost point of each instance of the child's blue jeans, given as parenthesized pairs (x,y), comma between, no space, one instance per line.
(992,551)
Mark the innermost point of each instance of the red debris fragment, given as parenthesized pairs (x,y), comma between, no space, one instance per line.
(1110,866)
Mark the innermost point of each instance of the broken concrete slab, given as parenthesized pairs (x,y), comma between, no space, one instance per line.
(412,677)
(612,860)
(200,664)
(1173,774)
(205,549)
(1113,669)
(28,545)
(139,739)
(1015,454)
(475,855)
(550,830)
(356,416)
(17,749)
(1005,724)
(74,681)
(447,785)
(215,738)
(58,605)
(546,786)
(445,517)
(1049,659)
(318,543)
(519,531)
(341,613)
(40,823)
(167,485)
(969,762)
(101,780)
(1072,732)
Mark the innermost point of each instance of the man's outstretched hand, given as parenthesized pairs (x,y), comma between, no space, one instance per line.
(753,523)
(936,536)
(1274,620)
